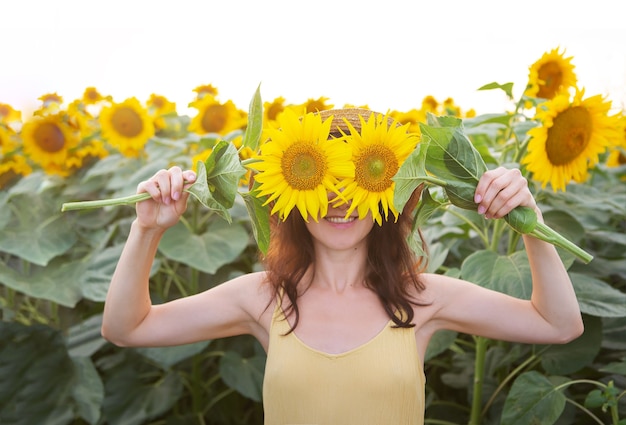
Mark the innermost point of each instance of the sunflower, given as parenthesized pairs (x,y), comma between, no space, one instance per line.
(47,140)
(126,126)
(617,156)
(300,164)
(378,150)
(91,96)
(552,75)
(7,144)
(205,90)
(11,168)
(316,105)
(8,114)
(158,106)
(570,140)
(216,117)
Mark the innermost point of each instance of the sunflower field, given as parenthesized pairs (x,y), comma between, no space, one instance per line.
(56,262)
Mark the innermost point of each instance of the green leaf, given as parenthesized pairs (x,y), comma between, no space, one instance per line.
(506,87)
(565,359)
(37,376)
(58,282)
(598,298)
(88,390)
(252,136)
(451,157)
(534,400)
(507,274)
(411,174)
(259,218)
(614,333)
(219,245)
(136,391)
(218,179)
(166,357)
(243,374)
(36,232)
(85,338)
(439,342)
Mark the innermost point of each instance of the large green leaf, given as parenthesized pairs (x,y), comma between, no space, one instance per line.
(85,338)
(452,158)
(534,400)
(410,175)
(37,376)
(167,357)
(135,390)
(218,179)
(439,342)
(252,136)
(506,274)
(221,244)
(563,359)
(614,333)
(88,390)
(243,374)
(259,218)
(58,282)
(37,231)
(598,298)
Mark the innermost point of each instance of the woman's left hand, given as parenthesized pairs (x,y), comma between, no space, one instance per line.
(500,190)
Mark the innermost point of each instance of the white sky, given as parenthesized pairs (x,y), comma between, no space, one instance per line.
(388,54)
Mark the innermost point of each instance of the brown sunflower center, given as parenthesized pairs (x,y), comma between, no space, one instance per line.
(374,168)
(304,166)
(4,110)
(49,137)
(214,118)
(569,135)
(274,110)
(127,122)
(552,76)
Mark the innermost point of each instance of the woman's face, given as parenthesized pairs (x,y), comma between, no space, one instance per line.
(337,232)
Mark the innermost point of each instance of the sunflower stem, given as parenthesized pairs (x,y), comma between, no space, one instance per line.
(125,200)
(547,234)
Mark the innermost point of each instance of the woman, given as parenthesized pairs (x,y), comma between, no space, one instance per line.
(359,310)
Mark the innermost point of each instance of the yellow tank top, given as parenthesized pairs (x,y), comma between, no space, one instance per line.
(379,382)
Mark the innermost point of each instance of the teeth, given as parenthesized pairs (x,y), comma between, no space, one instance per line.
(340,219)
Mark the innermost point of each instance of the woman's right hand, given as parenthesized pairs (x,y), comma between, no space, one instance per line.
(169,200)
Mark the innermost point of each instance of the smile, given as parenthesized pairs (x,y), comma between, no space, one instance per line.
(340,220)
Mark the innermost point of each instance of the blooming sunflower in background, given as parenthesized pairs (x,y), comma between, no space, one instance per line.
(570,139)
(378,150)
(47,141)
(7,143)
(552,75)
(126,126)
(216,117)
(617,156)
(205,90)
(8,114)
(12,167)
(300,165)
(91,96)
(159,106)
(316,105)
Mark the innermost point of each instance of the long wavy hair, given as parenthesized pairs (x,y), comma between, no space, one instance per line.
(393,269)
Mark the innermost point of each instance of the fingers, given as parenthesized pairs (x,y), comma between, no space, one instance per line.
(167,185)
(501,190)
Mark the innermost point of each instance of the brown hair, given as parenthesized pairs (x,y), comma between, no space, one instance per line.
(392,267)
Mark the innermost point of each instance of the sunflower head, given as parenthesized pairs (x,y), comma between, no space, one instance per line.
(570,139)
(300,164)
(552,75)
(47,140)
(379,145)
(216,117)
(126,126)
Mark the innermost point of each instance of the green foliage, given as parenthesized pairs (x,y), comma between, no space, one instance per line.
(55,269)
